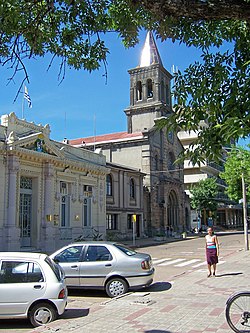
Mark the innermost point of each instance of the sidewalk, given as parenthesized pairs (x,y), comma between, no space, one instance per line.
(144,242)
(190,303)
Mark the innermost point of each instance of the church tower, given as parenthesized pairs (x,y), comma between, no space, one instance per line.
(150,96)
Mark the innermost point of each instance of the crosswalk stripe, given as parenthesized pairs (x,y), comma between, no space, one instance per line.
(155,262)
(171,262)
(200,264)
(189,262)
(180,262)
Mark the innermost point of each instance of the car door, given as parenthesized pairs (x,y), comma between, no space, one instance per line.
(21,283)
(69,259)
(98,262)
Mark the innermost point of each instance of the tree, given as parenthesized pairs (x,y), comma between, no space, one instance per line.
(203,196)
(236,166)
(199,10)
(214,90)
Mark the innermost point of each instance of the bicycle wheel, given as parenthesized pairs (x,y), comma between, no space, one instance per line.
(238,312)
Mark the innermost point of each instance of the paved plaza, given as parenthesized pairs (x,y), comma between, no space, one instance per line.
(187,303)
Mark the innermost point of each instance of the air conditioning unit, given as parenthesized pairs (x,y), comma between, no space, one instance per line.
(87,188)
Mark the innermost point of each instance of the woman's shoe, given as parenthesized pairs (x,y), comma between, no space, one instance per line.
(214,274)
(209,274)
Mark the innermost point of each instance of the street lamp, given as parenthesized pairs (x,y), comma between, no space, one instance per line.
(244,204)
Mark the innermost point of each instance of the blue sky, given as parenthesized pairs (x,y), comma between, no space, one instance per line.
(84,104)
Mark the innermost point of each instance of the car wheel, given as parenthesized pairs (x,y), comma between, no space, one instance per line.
(41,314)
(116,287)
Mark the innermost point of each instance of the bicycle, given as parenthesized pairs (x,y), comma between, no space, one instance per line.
(238,311)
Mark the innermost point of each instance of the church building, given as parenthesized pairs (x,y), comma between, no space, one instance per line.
(148,149)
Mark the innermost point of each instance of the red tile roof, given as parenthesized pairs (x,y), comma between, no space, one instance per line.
(120,136)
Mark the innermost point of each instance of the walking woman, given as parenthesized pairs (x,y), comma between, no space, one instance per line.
(212,251)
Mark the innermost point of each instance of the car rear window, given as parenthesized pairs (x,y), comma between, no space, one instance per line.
(55,268)
(20,272)
(126,250)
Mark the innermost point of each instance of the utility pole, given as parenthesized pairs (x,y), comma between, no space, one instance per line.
(244,203)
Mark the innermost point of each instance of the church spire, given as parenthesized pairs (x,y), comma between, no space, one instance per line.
(150,54)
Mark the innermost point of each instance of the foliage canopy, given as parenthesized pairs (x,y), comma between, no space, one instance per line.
(236,166)
(214,90)
(203,194)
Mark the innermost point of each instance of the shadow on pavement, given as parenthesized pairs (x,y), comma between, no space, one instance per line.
(228,274)
(87,293)
(15,323)
(75,313)
(159,286)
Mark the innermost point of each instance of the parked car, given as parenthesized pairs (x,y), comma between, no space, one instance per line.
(31,286)
(104,265)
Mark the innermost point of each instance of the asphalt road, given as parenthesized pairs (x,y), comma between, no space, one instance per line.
(170,260)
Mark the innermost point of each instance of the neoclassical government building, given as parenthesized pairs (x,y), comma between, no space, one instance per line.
(144,147)
(51,192)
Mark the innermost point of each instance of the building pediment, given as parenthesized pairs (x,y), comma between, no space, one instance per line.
(37,142)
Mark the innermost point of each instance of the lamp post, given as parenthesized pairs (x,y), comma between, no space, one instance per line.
(244,204)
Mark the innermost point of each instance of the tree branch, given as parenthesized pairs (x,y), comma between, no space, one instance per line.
(198,9)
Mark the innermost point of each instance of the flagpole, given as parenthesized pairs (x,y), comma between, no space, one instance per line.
(65,123)
(94,130)
(23,103)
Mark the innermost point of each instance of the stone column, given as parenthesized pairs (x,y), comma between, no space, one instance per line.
(47,225)
(12,231)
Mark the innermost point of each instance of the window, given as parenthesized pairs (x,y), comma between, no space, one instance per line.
(109,187)
(129,252)
(20,272)
(171,160)
(162,91)
(71,254)
(149,88)
(111,221)
(132,189)
(156,162)
(65,211)
(167,95)
(65,204)
(87,216)
(138,91)
(98,253)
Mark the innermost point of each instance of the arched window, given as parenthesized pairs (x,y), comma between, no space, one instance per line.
(109,186)
(156,162)
(138,91)
(171,160)
(149,88)
(132,188)
(173,210)
(167,95)
(162,91)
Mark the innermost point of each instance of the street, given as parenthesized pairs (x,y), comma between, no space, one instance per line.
(174,262)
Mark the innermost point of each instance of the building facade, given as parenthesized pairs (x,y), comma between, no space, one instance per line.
(51,192)
(148,149)
(124,203)
(229,213)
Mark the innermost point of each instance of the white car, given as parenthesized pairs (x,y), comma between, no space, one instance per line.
(31,286)
(104,265)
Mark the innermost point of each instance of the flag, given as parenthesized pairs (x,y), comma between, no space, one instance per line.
(27,97)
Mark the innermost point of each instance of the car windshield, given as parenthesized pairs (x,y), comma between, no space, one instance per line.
(55,268)
(126,250)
